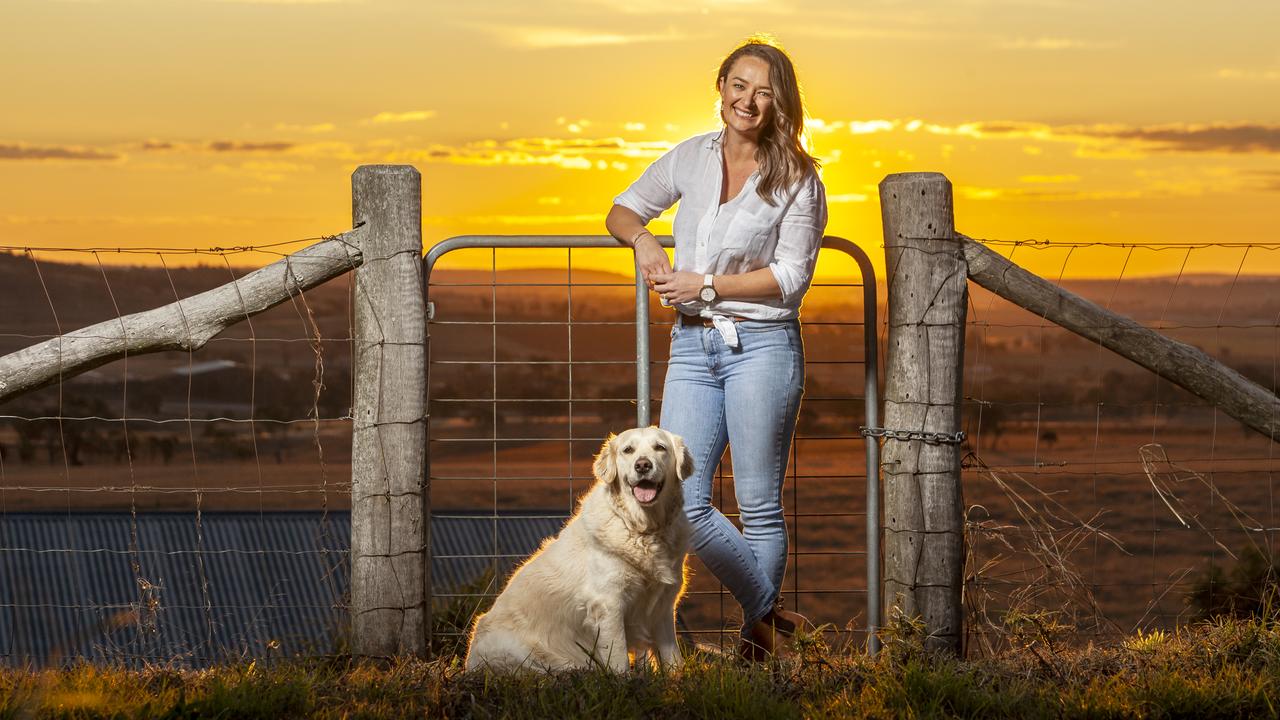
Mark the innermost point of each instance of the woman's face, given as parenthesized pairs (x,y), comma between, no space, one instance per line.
(746,100)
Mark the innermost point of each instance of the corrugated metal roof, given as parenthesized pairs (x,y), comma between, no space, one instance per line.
(235,584)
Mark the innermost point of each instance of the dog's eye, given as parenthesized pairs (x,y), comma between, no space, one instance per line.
(628,450)
(660,448)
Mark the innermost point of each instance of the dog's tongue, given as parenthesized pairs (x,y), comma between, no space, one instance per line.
(645,493)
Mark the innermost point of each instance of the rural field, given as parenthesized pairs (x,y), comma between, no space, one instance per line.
(1092,489)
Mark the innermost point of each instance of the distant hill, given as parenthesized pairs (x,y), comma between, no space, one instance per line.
(1231,318)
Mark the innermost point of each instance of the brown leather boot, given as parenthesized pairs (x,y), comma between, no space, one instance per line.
(773,634)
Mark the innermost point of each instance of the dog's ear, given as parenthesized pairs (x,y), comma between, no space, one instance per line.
(605,468)
(680,451)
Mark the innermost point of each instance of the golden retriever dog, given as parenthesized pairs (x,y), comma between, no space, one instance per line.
(608,584)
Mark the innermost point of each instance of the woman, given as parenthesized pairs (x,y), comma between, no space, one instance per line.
(752,212)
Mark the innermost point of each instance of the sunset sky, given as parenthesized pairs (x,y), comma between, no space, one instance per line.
(202,123)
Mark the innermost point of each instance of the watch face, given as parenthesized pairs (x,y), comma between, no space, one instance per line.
(708,294)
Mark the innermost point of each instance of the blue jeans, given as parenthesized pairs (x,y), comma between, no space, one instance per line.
(747,397)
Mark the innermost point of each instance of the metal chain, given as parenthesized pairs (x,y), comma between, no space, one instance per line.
(933,438)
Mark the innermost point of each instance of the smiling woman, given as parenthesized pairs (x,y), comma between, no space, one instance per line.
(751,218)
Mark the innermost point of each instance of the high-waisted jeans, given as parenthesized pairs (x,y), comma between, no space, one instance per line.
(747,397)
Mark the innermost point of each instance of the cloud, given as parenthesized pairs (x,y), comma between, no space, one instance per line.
(820,126)
(1267,180)
(263,172)
(848,198)
(591,218)
(537,37)
(1168,183)
(334,150)
(1049,178)
(487,156)
(1210,138)
(1103,139)
(973,192)
(233,146)
(20,151)
(867,127)
(217,146)
(574,153)
(399,117)
(999,128)
(667,8)
(611,145)
(1051,43)
(310,129)
(132,220)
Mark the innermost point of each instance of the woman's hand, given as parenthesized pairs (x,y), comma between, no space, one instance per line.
(677,287)
(651,258)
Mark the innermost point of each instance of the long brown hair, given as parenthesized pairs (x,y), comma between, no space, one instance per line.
(781,155)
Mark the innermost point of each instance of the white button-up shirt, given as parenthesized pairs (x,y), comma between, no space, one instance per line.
(742,235)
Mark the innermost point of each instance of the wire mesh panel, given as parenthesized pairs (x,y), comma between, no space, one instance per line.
(531,369)
(176,507)
(1101,498)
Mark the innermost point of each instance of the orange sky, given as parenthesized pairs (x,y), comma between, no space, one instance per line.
(207,123)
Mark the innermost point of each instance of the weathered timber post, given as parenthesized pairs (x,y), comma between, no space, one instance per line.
(390,598)
(923,505)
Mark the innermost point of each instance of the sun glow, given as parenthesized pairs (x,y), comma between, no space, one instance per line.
(499,114)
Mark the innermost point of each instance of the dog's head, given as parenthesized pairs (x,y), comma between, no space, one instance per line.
(645,463)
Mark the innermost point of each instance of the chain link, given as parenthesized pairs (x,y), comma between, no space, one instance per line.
(933,438)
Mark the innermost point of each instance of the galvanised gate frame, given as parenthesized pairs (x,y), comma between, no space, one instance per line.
(642,355)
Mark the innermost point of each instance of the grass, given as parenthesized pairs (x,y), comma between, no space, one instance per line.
(1226,668)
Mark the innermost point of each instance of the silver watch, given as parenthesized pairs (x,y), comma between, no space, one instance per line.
(708,292)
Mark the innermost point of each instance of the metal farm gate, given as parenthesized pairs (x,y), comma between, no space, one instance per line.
(529,370)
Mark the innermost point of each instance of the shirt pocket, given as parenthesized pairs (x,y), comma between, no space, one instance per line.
(748,231)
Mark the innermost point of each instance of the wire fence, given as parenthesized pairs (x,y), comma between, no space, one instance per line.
(1100,498)
(189,507)
(183,507)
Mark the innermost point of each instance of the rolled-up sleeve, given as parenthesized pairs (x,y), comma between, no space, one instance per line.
(799,239)
(655,191)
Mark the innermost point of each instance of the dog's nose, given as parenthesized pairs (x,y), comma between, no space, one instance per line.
(644,465)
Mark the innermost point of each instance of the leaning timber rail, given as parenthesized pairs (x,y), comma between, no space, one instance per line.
(871,395)
(186,325)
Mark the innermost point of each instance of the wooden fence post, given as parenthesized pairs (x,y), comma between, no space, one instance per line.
(923,503)
(390,596)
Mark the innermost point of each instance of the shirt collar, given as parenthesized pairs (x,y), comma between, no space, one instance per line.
(715,139)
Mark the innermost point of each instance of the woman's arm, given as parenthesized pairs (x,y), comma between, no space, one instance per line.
(649,196)
(799,239)
(625,225)
(682,287)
